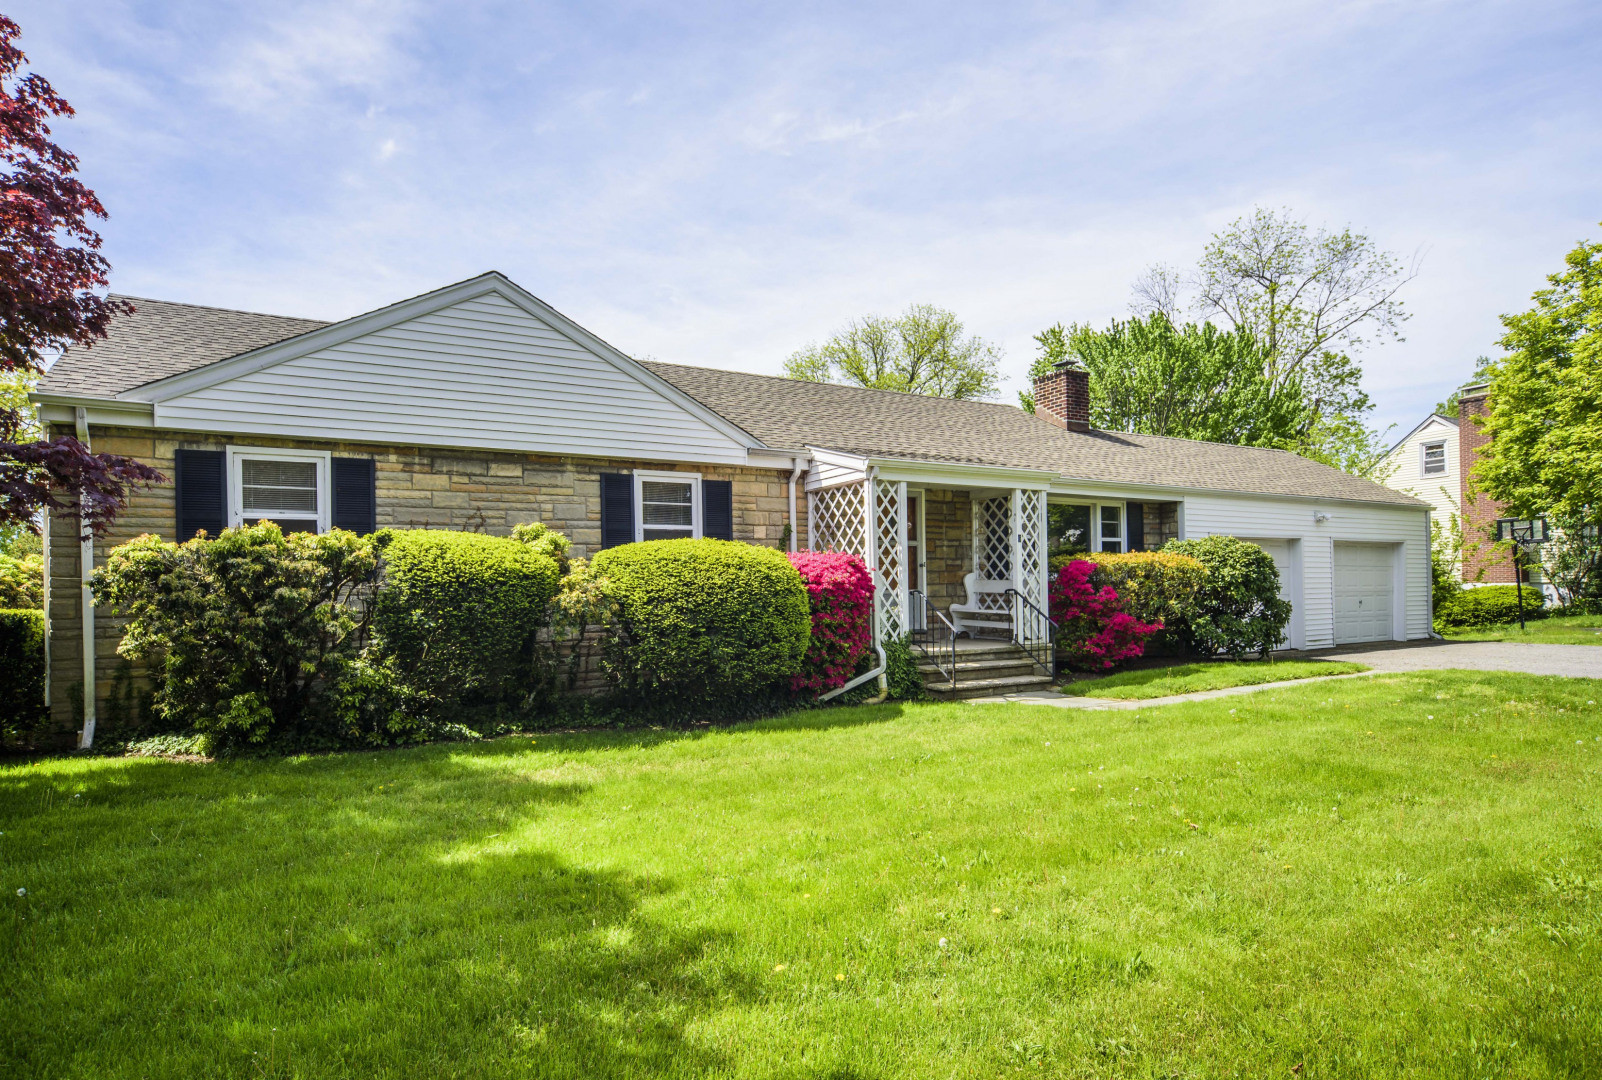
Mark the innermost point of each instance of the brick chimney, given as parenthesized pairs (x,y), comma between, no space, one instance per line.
(1479,512)
(1062,396)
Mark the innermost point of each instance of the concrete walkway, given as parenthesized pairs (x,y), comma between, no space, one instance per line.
(1581,661)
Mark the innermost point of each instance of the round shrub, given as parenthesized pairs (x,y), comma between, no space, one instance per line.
(711,619)
(1238,608)
(1488,605)
(457,613)
(840,591)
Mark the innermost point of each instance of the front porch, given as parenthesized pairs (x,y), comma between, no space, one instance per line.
(958,559)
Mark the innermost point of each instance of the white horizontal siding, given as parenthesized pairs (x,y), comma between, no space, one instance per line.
(1262,517)
(1403,469)
(482,373)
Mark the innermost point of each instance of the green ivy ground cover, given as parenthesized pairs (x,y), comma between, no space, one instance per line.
(1390,876)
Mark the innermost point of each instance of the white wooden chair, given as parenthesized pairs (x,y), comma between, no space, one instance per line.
(987,606)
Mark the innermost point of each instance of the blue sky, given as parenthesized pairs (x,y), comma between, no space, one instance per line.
(721,184)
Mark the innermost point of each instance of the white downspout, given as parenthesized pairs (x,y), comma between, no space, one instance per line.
(795,474)
(86,568)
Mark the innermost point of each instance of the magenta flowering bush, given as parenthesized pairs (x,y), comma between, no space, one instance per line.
(1093,629)
(840,589)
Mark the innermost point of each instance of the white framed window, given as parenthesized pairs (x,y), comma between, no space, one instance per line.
(1434,458)
(667,505)
(289,487)
(1110,527)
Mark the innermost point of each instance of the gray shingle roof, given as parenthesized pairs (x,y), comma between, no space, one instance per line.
(790,414)
(162,338)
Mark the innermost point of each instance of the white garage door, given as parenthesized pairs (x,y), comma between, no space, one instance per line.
(1280,550)
(1364,604)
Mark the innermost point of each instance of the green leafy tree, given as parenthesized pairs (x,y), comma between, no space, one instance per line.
(1191,382)
(924,350)
(1545,419)
(1312,298)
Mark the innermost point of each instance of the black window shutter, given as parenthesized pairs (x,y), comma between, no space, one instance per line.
(1135,523)
(617,509)
(717,509)
(355,495)
(200,488)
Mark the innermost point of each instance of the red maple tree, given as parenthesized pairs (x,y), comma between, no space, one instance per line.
(50,267)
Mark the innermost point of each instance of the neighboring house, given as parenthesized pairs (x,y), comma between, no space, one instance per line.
(1433,463)
(1425,465)
(478,407)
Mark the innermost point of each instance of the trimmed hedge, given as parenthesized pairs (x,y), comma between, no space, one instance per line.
(1238,608)
(1488,605)
(1153,586)
(22,660)
(706,619)
(456,614)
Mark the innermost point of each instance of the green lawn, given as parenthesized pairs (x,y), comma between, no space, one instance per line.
(1188,678)
(1394,876)
(1563,630)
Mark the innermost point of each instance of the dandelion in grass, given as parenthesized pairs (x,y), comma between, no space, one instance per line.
(778,967)
(995,911)
(24,892)
(839,977)
(942,943)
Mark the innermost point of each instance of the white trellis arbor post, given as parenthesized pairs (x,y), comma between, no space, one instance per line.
(868,517)
(1027,534)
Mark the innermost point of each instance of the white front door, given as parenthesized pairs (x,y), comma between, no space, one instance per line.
(1365,594)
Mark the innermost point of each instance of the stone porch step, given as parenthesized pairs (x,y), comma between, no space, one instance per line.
(974,688)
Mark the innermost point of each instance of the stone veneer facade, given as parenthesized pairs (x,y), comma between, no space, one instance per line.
(417,487)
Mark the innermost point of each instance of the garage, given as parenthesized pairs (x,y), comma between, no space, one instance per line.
(1285,556)
(1365,592)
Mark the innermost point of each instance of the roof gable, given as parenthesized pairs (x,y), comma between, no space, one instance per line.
(480,364)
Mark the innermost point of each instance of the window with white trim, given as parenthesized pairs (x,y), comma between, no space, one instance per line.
(667,505)
(1111,526)
(1434,458)
(289,487)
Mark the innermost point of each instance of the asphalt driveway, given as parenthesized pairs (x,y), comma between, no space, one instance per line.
(1583,661)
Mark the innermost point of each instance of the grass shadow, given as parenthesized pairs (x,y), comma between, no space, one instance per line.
(331,916)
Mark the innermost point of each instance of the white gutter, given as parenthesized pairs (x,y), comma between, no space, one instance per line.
(86,568)
(795,474)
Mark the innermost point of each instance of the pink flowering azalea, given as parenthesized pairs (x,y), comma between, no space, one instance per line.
(1093,629)
(841,591)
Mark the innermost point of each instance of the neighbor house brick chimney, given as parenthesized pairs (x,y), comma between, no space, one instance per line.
(1479,512)
(1062,396)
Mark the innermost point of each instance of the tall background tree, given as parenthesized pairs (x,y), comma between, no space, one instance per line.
(1312,299)
(924,350)
(1191,382)
(1545,420)
(50,269)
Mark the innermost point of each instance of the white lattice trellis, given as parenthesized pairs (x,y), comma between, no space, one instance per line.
(1029,554)
(992,538)
(837,519)
(890,538)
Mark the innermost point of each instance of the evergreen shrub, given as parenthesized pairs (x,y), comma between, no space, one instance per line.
(709,620)
(1488,605)
(1238,607)
(22,664)
(456,616)
(21,581)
